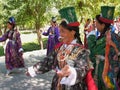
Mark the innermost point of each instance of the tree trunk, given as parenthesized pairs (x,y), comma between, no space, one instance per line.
(37,26)
(39,38)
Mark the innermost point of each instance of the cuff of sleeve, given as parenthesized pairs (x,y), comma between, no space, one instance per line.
(86,32)
(31,71)
(59,38)
(71,79)
(43,33)
(20,50)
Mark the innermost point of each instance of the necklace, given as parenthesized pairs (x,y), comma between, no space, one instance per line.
(64,52)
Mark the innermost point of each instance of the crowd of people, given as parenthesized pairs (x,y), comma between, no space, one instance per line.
(92,65)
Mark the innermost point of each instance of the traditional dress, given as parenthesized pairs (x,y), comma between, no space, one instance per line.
(98,49)
(73,55)
(13,55)
(53,35)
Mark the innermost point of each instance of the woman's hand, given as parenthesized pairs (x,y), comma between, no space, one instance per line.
(27,73)
(21,53)
(64,72)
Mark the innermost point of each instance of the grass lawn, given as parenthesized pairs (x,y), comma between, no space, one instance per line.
(1,51)
(30,46)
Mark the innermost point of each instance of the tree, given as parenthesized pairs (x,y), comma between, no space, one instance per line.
(36,13)
(36,10)
(32,11)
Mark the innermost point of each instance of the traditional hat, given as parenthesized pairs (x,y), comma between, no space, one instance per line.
(11,20)
(107,14)
(68,13)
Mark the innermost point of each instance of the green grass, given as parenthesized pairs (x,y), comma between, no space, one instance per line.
(28,32)
(28,46)
(1,51)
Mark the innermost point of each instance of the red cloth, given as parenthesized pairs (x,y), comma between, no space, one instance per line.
(58,45)
(74,24)
(91,85)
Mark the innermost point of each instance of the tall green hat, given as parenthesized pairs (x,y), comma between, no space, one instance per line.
(107,14)
(68,13)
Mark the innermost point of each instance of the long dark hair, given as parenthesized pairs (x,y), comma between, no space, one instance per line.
(70,28)
(107,26)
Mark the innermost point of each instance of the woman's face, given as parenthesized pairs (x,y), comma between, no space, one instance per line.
(100,27)
(52,23)
(66,35)
(9,26)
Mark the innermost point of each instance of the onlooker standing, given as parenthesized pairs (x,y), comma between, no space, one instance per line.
(53,35)
(87,28)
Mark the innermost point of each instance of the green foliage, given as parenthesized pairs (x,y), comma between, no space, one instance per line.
(36,13)
(30,46)
(1,51)
(44,42)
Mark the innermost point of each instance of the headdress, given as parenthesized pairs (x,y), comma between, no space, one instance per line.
(68,13)
(107,14)
(11,20)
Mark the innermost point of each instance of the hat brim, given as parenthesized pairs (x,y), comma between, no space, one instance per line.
(105,20)
(74,24)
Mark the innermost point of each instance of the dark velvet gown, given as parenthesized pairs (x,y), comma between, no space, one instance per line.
(73,55)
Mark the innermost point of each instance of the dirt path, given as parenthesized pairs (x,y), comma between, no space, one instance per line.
(19,81)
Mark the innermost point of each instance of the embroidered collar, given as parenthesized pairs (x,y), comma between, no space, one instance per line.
(65,50)
(73,42)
